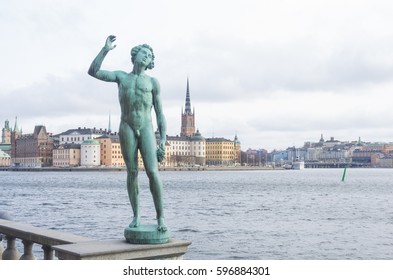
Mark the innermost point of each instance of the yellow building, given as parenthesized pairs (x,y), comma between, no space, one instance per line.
(111,155)
(221,151)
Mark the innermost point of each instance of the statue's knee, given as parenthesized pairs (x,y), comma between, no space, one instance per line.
(133,173)
(152,174)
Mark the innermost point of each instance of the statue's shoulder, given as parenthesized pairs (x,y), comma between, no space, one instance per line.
(121,74)
(154,81)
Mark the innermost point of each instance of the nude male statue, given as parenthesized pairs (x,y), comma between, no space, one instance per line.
(138,93)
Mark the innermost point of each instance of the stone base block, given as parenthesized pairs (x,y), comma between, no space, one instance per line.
(146,234)
(121,250)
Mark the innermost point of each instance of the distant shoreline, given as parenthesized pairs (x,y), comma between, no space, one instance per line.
(122,169)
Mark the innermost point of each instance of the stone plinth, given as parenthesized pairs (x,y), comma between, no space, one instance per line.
(146,234)
(121,250)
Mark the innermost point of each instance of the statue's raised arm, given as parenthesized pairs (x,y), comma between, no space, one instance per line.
(95,67)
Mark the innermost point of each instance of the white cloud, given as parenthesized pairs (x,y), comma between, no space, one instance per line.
(276,72)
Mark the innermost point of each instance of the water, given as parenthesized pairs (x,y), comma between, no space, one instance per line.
(302,214)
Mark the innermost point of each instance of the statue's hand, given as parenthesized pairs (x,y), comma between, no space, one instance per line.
(161,153)
(109,43)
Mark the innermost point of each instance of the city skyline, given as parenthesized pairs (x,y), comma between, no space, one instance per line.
(277,74)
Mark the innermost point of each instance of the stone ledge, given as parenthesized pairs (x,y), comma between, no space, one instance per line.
(38,235)
(121,250)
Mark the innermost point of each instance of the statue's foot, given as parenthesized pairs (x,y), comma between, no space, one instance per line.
(161,225)
(134,223)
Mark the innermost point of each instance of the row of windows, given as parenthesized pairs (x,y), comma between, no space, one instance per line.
(185,154)
(74,139)
(113,146)
(63,157)
(219,147)
(219,152)
(114,157)
(66,151)
(182,143)
(186,148)
(113,152)
(221,157)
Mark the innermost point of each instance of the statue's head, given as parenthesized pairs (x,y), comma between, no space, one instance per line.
(135,50)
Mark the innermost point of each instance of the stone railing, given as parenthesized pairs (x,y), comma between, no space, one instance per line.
(73,247)
(30,235)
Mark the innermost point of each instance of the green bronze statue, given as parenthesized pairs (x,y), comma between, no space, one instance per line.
(138,93)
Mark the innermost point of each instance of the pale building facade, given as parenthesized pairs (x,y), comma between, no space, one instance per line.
(67,155)
(5,159)
(90,153)
(79,135)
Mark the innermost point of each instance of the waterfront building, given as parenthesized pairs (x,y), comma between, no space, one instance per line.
(67,155)
(251,157)
(313,154)
(187,150)
(90,153)
(221,151)
(5,159)
(32,150)
(237,150)
(280,156)
(180,151)
(6,138)
(110,150)
(78,135)
(255,157)
(6,133)
(198,148)
(296,154)
(385,162)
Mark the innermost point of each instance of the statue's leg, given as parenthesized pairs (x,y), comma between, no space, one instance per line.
(129,149)
(148,149)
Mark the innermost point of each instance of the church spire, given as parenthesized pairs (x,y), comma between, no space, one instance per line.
(16,128)
(188,117)
(188,100)
(109,124)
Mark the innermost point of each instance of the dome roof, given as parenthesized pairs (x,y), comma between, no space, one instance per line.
(197,136)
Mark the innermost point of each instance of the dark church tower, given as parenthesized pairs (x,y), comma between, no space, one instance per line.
(187,117)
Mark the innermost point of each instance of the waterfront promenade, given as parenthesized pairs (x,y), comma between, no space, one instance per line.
(120,169)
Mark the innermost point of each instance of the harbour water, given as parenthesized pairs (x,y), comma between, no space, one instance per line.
(288,214)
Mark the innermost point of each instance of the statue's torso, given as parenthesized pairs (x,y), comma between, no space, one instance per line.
(136,100)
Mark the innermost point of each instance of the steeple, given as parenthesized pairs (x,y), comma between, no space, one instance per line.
(187,117)
(16,128)
(109,124)
(188,99)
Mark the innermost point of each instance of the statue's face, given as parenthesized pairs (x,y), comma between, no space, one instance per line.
(144,57)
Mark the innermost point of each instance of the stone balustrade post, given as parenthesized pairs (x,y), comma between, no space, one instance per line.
(48,252)
(28,250)
(11,253)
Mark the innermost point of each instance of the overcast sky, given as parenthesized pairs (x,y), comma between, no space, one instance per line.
(277,73)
